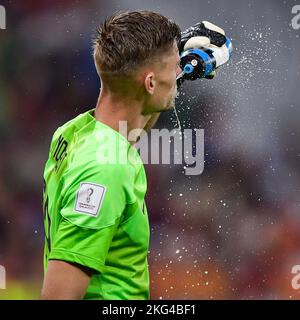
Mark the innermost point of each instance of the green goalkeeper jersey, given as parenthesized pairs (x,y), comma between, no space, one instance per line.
(94,209)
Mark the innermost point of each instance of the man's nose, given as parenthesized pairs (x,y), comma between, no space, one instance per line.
(178,71)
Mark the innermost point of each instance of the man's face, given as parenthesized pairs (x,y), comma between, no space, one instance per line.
(166,71)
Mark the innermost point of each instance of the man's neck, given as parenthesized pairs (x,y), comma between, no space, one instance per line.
(111,110)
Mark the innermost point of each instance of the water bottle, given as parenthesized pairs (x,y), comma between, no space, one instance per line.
(200,62)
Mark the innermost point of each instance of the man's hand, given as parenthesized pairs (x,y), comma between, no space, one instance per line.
(65,281)
(209,33)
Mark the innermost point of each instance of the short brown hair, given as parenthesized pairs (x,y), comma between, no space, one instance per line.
(127,40)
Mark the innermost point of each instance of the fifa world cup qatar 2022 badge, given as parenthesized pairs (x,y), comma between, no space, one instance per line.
(89,198)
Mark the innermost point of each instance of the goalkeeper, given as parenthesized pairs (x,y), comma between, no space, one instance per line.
(95,217)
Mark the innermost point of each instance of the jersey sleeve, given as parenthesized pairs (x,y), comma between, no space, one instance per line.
(86,247)
(94,196)
(93,201)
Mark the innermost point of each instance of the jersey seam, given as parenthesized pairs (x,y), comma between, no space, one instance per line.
(77,254)
(89,227)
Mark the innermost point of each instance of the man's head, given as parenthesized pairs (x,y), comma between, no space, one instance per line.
(136,55)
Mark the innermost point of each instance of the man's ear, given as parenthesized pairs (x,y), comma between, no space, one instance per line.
(150,82)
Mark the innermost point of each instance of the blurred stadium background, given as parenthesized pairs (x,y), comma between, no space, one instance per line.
(232,232)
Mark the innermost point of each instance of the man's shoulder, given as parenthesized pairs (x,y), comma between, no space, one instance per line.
(96,148)
(74,125)
(95,158)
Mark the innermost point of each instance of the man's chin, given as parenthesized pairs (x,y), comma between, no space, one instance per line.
(168,108)
(171,106)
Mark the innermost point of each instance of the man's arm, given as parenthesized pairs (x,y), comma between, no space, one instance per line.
(65,281)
